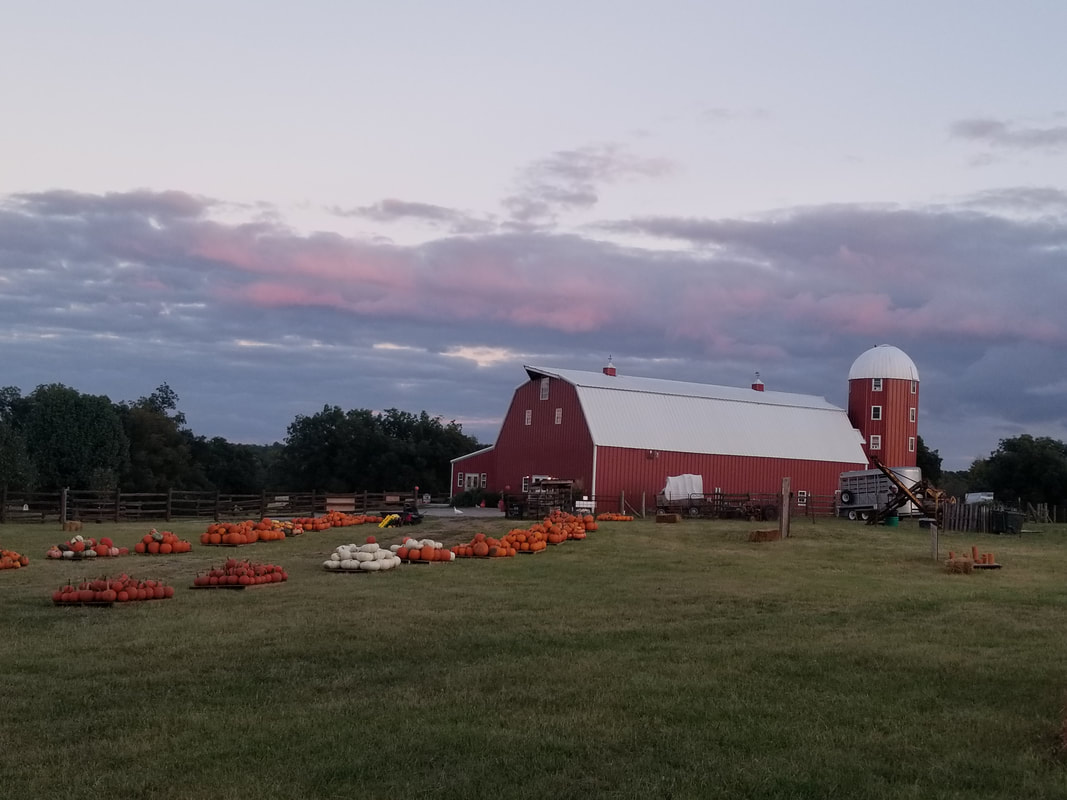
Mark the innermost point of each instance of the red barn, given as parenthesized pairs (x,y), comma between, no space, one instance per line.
(612,433)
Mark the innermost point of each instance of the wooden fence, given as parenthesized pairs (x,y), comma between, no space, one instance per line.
(119,506)
(980,518)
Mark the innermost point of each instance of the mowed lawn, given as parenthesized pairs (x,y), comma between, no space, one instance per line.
(649,661)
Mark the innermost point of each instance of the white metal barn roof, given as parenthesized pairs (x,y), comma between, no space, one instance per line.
(655,414)
(884,361)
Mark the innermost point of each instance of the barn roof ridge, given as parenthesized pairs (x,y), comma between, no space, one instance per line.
(588,379)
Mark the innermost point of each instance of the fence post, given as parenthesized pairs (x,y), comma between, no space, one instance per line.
(3,504)
(218,500)
(63,504)
(263,504)
(170,504)
(783,518)
(312,502)
(118,502)
(622,501)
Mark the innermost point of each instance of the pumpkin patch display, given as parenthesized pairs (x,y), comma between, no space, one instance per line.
(105,591)
(482,546)
(80,547)
(163,543)
(362,558)
(609,516)
(9,559)
(422,551)
(230,534)
(234,574)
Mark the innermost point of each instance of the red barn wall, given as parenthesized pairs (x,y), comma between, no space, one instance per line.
(633,472)
(895,427)
(542,447)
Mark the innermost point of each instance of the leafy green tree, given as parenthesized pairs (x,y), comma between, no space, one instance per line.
(929,461)
(231,468)
(1030,469)
(74,439)
(160,456)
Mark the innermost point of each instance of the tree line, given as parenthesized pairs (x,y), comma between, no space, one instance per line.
(1023,469)
(58,437)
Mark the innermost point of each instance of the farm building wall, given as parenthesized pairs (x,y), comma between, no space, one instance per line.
(635,471)
(898,423)
(544,433)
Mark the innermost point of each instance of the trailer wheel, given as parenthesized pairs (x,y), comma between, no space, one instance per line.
(852,514)
(846,496)
(865,515)
(769,513)
(694,511)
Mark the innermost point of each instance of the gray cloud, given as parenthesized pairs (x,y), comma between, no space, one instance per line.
(997,133)
(569,180)
(392,210)
(253,323)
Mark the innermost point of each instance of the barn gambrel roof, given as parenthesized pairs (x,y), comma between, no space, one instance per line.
(657,414)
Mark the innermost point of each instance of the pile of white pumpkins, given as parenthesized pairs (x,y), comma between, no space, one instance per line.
(369,557)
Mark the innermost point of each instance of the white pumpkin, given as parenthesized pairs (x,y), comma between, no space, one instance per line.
(349,563)
(370,547)
(364,557)
(331,564)
(335,556)
(370,566)
(394,547)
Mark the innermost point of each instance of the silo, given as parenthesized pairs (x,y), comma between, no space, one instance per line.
(883,404)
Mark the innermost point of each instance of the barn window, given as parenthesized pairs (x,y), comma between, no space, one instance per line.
(911,444)
(529,416)
(544,388)
(876,442)
(911,414)
(914,387)
(802,497)
(483,477)
(459,479)
(559,416)
(525,484)
(876,412)
(876,384)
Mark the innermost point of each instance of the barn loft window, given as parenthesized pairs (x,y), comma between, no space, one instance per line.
(459,479)
(876,384)
(483,479)
(559,416)
(876,442)
(525,484)
(802,497)
(914,387)
(529,416)
(911,414)
(544,388)
(911,444)
(876,412)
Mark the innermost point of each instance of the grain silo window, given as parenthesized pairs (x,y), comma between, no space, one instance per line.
(876,384)
(544,388)
(911,414)
(914,387)
(559,416)
(529,416)
(876,442)
(876,412)
(911,444)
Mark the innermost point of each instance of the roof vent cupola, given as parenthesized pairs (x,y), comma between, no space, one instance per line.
(757,384)
(609,368)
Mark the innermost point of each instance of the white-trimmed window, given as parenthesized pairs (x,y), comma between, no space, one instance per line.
(876,384)
(459,480)
(559,416)
(876,412)
(525,484)
(914,387)
(911,414)
(876,442)
(483,477)
(802,497)
(529,416)
(544,388)
(911,444)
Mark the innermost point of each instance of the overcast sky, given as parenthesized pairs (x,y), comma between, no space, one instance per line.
(278,206)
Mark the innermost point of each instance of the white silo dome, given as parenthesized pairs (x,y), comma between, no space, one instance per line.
(884,361)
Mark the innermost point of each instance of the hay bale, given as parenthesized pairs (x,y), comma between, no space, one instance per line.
(668,517)
(73,525)
(765,535)
(964,566)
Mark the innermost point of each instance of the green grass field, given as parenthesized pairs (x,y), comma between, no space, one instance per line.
(649,661)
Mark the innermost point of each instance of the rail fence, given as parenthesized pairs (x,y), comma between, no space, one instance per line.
(119,506)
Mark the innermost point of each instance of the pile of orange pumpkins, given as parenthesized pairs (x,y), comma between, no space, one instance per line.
(241,573)
(482,546)
(9,559)
(422,550)
(123,589)
(609,516)
(161,543)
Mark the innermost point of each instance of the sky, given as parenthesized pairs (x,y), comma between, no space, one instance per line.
(276,207)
